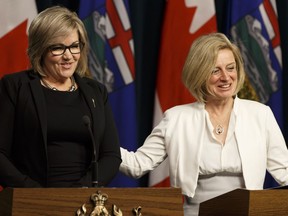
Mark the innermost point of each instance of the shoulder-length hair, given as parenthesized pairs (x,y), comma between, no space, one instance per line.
(51,23)
(201,61)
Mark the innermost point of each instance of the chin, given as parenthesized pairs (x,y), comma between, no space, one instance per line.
(224,96)
(68,73)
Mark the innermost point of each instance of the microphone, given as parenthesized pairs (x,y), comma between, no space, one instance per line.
(87,123)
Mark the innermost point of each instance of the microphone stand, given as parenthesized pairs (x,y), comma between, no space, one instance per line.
(94,164)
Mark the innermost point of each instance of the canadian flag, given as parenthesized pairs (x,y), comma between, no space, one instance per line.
(184,21)
(16,16)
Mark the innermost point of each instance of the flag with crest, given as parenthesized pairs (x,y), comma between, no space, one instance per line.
(253,26)
(111,62)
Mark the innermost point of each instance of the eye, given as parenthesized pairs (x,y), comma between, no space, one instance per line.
(75,46)
(215,71)
(57,48)
(230,68)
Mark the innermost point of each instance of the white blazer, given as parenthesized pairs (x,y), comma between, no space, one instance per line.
(179,136)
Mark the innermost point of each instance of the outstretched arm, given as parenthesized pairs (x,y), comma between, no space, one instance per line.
(147,157)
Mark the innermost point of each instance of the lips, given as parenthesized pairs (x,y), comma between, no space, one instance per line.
(224,86)
(66,65)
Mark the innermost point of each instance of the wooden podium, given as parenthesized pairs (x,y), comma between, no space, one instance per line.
(66,201)
(241,202)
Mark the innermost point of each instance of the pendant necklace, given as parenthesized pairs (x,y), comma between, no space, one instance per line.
(223,116)
(219,129)
(71,89)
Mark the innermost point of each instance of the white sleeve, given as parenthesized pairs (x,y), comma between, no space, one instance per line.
(277,156)
(148,156)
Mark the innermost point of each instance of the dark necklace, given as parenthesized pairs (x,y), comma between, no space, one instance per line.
(71,89)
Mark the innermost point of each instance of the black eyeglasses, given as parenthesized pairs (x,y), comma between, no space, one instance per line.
(60,49)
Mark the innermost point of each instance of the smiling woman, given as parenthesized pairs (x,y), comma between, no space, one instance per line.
(60,63)
(219,143)
(44,140)
(223,81)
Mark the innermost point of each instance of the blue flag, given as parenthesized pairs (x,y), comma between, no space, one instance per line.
(111,61)
(253,26)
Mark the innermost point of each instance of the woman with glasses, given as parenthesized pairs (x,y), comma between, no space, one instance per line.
(56,127)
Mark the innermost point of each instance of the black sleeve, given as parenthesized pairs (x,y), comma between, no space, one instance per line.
(109,148)
(9,174)
(106,135)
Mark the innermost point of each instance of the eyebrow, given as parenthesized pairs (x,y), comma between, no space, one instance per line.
(232,63)
(57,44)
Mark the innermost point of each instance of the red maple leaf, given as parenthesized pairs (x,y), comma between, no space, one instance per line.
(13,48)
(176,42)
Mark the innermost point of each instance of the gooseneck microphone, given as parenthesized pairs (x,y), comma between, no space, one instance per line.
(87,122)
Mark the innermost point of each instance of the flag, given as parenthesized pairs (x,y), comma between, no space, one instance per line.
(16,17)
(253,26)
(184,21)
(111,61)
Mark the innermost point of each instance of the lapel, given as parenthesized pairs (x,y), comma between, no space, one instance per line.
(88,94)
(40,103)
(240,127)
(91,99)
(245,150)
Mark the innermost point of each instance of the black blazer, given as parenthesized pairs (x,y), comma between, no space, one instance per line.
(23,131)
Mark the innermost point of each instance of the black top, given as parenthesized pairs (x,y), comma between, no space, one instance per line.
(24,157)
(68,141)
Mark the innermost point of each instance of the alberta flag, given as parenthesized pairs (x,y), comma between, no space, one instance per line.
(111,62)
(253,26)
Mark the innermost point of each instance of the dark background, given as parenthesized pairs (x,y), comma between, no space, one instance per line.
(146,21)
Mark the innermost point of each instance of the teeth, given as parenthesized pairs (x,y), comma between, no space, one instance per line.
(225,86)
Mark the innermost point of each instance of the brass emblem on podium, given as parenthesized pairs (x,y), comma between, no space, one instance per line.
(99,200)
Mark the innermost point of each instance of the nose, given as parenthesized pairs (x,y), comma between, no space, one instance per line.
(224,75)
(67,54)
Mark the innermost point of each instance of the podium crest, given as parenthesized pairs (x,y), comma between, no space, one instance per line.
(99,199)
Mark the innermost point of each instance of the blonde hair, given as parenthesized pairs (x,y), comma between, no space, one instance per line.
(201,60)
(51,23)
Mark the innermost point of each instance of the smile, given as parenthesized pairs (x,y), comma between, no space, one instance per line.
(66,65)
(225,86)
